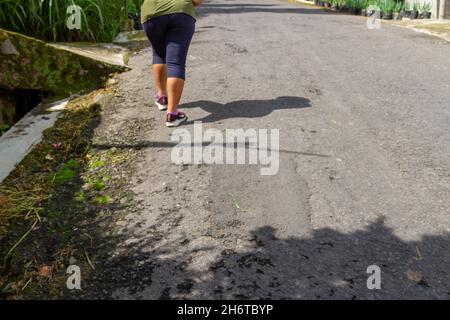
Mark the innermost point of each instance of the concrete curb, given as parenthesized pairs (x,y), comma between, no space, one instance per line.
(18,141)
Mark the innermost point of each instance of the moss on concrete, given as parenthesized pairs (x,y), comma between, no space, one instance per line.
(32,64)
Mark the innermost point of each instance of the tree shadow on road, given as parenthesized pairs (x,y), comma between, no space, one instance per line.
(246,108)
(333,265)
(327,264)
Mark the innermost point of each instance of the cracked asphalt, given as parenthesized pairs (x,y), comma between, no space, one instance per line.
(364,118)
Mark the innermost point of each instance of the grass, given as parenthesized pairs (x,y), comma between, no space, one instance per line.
(29,219)
(101,20)
(17,203)
(67,173)
(48,205)
(24,193)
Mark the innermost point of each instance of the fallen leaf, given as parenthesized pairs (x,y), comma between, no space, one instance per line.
(49,157)
(414,276)
(45,271)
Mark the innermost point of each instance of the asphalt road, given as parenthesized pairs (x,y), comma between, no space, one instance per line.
(364,172)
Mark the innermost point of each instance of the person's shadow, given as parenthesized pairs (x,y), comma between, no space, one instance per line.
(246,108)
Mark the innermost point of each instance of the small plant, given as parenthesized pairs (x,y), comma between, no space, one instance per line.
(415,10)
(390,6)
(99,185)
(103,200)
(406,10)
(398,10)
(387,8)
(364,4)
(80,196)
(425,10)
(357,6)
(97,164)
(67,173)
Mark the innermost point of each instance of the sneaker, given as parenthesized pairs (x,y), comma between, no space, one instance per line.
(161,102)
(175,120)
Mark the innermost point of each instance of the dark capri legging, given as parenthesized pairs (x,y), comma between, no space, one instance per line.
(170,36)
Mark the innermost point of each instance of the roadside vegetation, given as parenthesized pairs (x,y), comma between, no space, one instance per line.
(389,9)
(47,19)
(49,204)
(52,162)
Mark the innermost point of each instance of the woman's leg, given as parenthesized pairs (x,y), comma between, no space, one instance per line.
(179,36)
(156,30)
(160,75)
(175,88)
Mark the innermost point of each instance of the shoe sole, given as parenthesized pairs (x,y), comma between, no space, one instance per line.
(161,107)
(176,123)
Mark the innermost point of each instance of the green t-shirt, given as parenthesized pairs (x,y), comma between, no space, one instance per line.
(156,8)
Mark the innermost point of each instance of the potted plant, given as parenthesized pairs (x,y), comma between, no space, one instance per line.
(387,9)
(381,4)
(364,5)
(369,5)
(406,10)
(334,5)
(398,10)
(346,5)
(425,11)
(357,7)
(415,11)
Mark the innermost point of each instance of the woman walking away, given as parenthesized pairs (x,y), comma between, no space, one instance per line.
(170,26)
